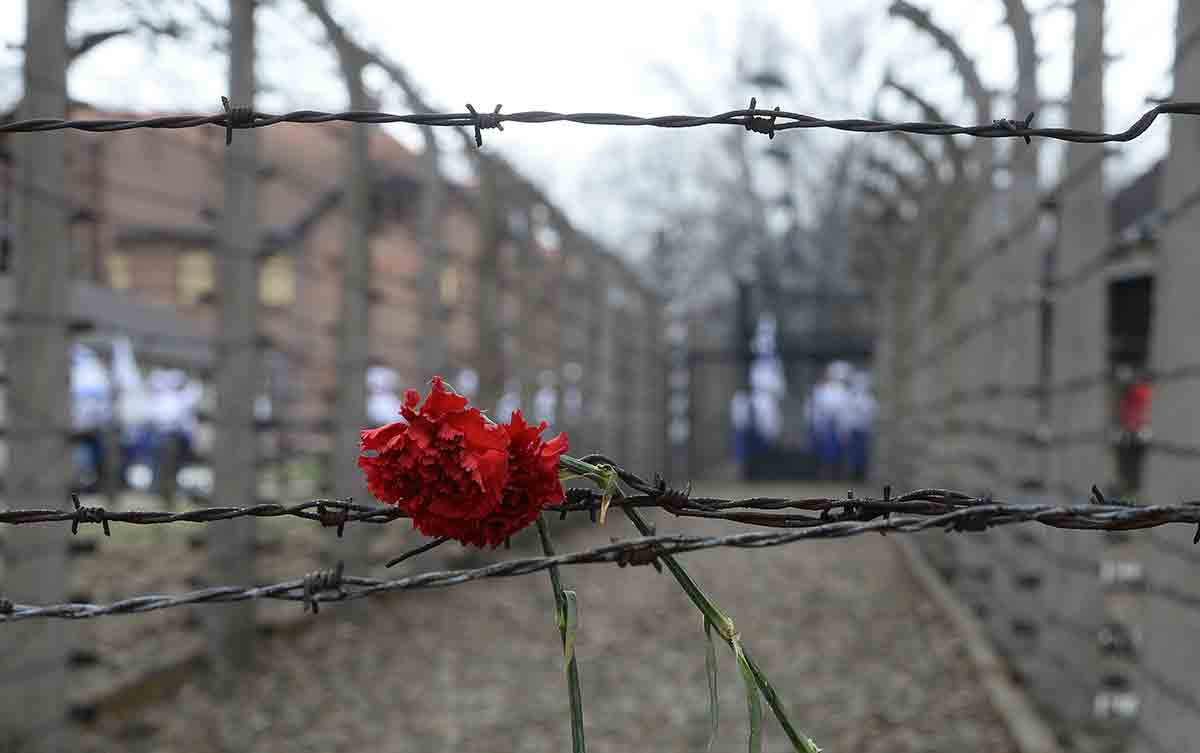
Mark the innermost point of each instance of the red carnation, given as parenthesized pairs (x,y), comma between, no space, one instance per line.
(532,480)
(446,467)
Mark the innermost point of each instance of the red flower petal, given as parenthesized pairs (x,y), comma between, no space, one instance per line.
(447,467)
(383,436)
(554,448)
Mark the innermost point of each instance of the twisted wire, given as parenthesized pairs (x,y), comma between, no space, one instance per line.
(768,121)
(311,589)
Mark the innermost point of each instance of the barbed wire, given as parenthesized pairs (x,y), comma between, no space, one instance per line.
(764,511)
(765,121)
(324,586)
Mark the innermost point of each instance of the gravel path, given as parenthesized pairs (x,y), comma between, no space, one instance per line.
(863,659)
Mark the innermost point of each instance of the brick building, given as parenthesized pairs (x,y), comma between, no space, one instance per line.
(570,314)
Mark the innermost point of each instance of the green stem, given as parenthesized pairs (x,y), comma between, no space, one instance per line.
(724,625)
(576,696)
(799,740)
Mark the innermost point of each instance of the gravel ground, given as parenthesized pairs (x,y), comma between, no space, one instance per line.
(864,661)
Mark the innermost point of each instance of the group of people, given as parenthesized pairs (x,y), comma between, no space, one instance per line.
(756,414)
(839,414)
(150,414)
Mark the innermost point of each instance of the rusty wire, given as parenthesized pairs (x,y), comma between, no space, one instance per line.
(765,121)
(923,510)
(810,518)
(779,512)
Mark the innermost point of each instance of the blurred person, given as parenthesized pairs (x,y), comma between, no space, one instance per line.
(467,383)
(91,413)
(134,416)
(174,400)
(1134,418)
(767,389)
(383,400)
(545,400)
(1135,405)
(860,415)
(745,434)
(510,400)
(572,394)
(263,407)
(826,414)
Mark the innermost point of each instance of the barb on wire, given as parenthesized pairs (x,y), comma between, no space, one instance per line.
(1014,125)
(322,581)
(777,512)
(1086,517)
(484,121)
(88,515)
(750,119)
(235,117)
(761,125)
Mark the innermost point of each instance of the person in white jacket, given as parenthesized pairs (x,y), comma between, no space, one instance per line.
(860,414)
(91,411)
(134,415)
(827,413)
(174,401)
(383,402)
(768,387)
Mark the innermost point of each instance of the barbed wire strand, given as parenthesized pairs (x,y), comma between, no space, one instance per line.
(298,180)
(756,510)
(645,548)
(766,121)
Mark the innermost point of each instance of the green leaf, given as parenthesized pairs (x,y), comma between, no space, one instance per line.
(607,481)
(568,624)
(752,700)
(710,667)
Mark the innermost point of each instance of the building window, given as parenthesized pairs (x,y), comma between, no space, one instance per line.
(195,277)
(451,285)
(277,281)
(119,276)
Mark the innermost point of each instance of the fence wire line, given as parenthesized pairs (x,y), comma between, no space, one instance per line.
(768,511)
(752,119)
(636,550)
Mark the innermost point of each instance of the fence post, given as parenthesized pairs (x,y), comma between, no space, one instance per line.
(487,313)
(1019,268)
(354,322)
(1170,626)
(230,544)
(432,242)
(33,655)
(1079,350)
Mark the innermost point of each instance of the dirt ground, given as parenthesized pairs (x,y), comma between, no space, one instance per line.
(863,660)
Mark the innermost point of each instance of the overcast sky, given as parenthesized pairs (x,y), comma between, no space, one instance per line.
(555,55)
